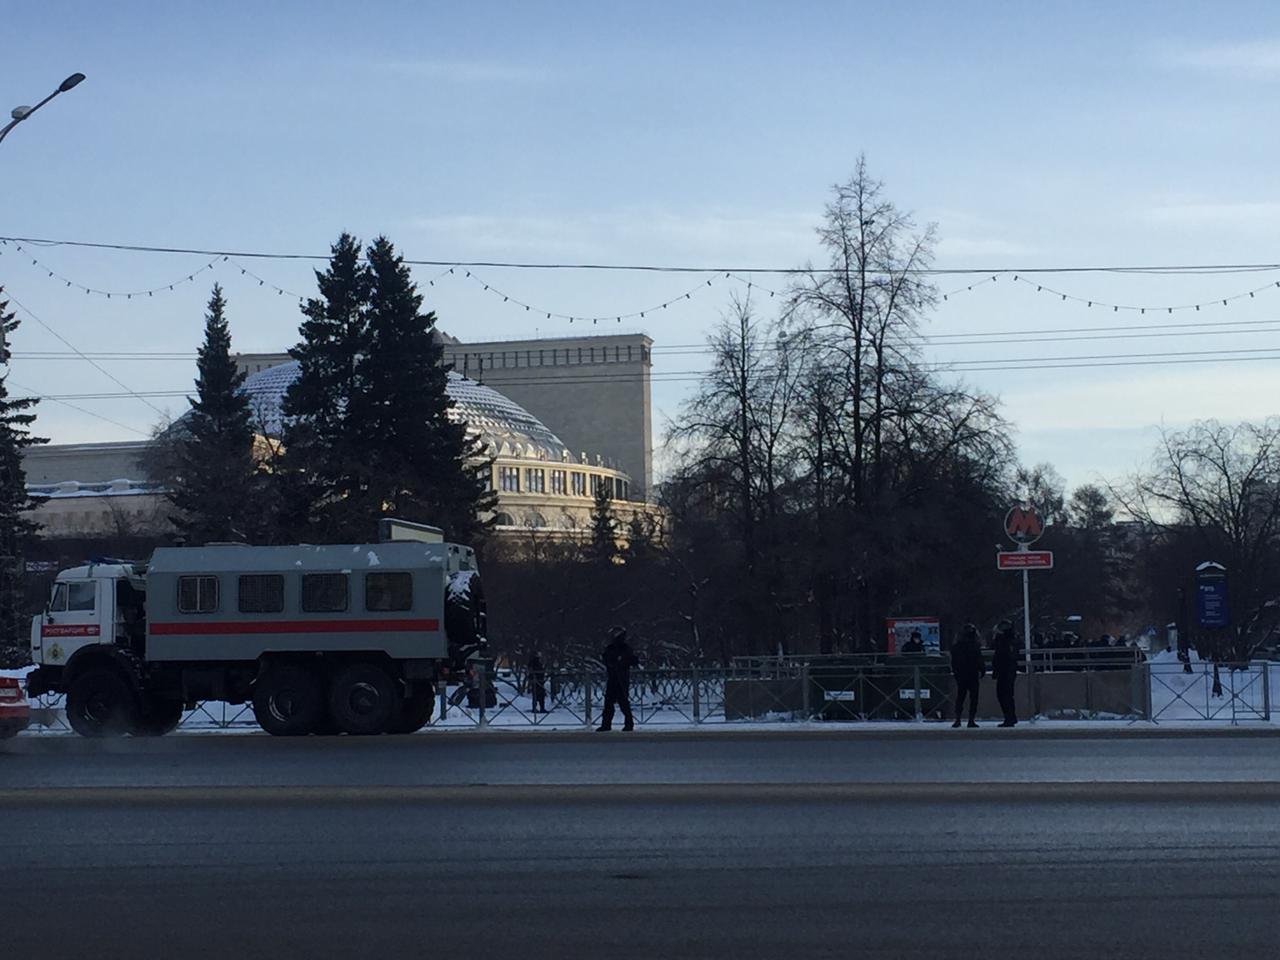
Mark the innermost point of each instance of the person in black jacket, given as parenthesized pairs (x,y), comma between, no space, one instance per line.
(968,667)
(1004,668)
(538,683)
(618,660)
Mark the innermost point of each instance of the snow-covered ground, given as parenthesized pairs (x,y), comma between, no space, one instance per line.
(1178,695)
(1178,699)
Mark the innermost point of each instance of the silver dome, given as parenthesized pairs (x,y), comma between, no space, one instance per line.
(505,427)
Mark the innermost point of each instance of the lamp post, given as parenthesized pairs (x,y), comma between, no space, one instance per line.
(21,113)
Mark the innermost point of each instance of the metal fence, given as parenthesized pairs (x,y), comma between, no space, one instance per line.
(850,689)
(1231,692)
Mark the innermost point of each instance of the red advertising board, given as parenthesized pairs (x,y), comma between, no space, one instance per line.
(1024,560)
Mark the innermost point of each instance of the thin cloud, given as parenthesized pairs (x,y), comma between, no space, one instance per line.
(1256,59)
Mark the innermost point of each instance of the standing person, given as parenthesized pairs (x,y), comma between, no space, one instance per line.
(538,683)
(914,644)
(1004,668)
(968,667)
(618,660)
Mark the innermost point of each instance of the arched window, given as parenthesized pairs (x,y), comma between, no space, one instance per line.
(535,519)
(504,520)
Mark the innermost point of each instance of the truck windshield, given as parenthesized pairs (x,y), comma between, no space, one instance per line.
(75,595)
(81,595)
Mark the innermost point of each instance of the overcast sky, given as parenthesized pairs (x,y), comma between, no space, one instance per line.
(685,133)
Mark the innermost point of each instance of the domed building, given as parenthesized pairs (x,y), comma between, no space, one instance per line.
(542,483)
(539,481)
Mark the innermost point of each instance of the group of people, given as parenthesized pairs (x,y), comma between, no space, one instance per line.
(1068,640)
(968,666)
(618,658)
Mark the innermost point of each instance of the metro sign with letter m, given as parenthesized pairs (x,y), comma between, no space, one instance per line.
(1023,525)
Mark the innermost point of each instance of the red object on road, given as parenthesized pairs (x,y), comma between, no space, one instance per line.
(1024,560)
(15,712)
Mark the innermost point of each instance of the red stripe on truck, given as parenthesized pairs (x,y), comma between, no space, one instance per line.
(204,628)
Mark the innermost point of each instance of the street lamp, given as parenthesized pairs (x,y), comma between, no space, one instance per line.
(21,113)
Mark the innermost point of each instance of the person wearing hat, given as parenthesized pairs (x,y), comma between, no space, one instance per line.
(1004,668)
(618,660)
(968,668)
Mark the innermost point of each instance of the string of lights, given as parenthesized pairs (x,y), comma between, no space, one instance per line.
(1164,269)
(1117,307)
(302,298)
(618,316)
(109,294)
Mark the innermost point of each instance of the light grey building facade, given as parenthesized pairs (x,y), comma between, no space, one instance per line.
(505,391)
(594,391)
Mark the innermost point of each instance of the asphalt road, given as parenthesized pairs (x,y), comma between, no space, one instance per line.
(470,757)
(660,846)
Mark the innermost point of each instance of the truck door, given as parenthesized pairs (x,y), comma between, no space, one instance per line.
(73,620)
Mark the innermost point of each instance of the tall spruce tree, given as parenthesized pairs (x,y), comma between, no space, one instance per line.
(16,529)
(213,489)
(369,432)
(604,526)
(321,468)
(422,463)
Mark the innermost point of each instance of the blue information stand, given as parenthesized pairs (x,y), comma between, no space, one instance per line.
(1211,596)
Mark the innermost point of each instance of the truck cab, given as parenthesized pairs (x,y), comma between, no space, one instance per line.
(94,604)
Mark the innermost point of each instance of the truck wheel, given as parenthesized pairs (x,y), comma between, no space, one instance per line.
(101,703)
(288,701)
(415,713)
(363,699)
(157,717)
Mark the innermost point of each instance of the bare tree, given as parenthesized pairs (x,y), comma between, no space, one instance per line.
(1219,484)
(868,299)
(736,431)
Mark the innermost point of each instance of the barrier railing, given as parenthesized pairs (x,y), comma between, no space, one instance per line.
(831,689)
(1242,692)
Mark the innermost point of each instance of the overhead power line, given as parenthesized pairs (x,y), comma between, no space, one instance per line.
(1015,335)
(1009,364)
(32,392)
(659,268)
(93,363)
(463,271)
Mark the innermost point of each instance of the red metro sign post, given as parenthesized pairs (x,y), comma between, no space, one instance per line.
(1024,526)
